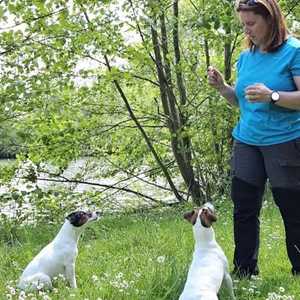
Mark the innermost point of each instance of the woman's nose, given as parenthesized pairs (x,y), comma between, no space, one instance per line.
(246,30)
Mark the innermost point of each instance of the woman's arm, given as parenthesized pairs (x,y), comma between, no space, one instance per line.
(290,99)
(215,79)
(228,92)
(260,93)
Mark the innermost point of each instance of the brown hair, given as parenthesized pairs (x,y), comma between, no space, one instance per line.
(268,9)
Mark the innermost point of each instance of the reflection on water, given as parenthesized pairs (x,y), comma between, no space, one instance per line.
(93,172)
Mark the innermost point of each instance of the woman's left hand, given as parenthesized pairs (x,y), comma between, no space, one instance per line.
(258,93)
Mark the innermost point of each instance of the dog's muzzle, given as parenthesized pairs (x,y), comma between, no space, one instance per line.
(95,215)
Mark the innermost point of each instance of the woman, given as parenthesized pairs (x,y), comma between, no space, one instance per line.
(267,136)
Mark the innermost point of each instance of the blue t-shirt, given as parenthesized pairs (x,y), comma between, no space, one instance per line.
(266,123)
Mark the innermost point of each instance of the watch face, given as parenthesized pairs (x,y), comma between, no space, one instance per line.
(275,96)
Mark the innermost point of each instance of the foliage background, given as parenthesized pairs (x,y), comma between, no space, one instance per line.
(81,79)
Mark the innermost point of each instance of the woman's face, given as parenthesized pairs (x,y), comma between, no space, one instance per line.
(256,27)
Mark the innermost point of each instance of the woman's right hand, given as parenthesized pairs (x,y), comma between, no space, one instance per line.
(215,78)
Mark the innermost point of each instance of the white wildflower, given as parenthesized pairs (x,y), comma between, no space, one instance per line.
(22,295)
(119,275)
(161,259)
(11,290)
(281,289)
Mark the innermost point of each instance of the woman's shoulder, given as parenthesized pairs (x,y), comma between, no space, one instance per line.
(293,42)
(244,53)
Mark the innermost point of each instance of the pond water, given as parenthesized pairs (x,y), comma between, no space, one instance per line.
(95,173)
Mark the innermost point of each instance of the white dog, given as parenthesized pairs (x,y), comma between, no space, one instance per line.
(59,256)
(209,267)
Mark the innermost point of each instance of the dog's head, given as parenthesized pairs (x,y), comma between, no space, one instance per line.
(81,218)
(205,214)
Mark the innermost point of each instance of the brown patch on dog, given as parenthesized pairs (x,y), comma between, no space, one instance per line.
(191,216)
(79,218)
(207,217)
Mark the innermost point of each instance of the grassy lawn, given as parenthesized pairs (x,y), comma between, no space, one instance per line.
(147,255)
(7,162)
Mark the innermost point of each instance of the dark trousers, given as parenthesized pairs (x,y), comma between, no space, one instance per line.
(281,164)
(247,200)
(288,201)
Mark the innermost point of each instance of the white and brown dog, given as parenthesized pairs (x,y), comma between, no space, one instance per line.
(209,268)
(59,256)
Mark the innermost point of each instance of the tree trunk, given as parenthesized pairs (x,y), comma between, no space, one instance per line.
(180,141)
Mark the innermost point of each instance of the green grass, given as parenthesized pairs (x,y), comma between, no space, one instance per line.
(5,162)
(147,255)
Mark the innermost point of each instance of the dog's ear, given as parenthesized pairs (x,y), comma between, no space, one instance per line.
(191,216)
(188,215)
(211,216)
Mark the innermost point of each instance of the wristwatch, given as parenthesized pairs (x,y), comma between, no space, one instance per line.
(275,97)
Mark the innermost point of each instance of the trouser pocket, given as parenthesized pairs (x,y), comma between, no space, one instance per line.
(282,163)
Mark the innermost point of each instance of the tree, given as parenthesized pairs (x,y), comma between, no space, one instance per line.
(124,82)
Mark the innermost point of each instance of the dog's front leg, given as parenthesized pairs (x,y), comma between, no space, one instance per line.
(228,284)
(70,275)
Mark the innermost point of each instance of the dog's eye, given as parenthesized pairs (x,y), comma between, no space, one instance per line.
(79,215)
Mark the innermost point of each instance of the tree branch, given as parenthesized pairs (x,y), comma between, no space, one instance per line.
(33,19)
(145,136)
(66,180)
